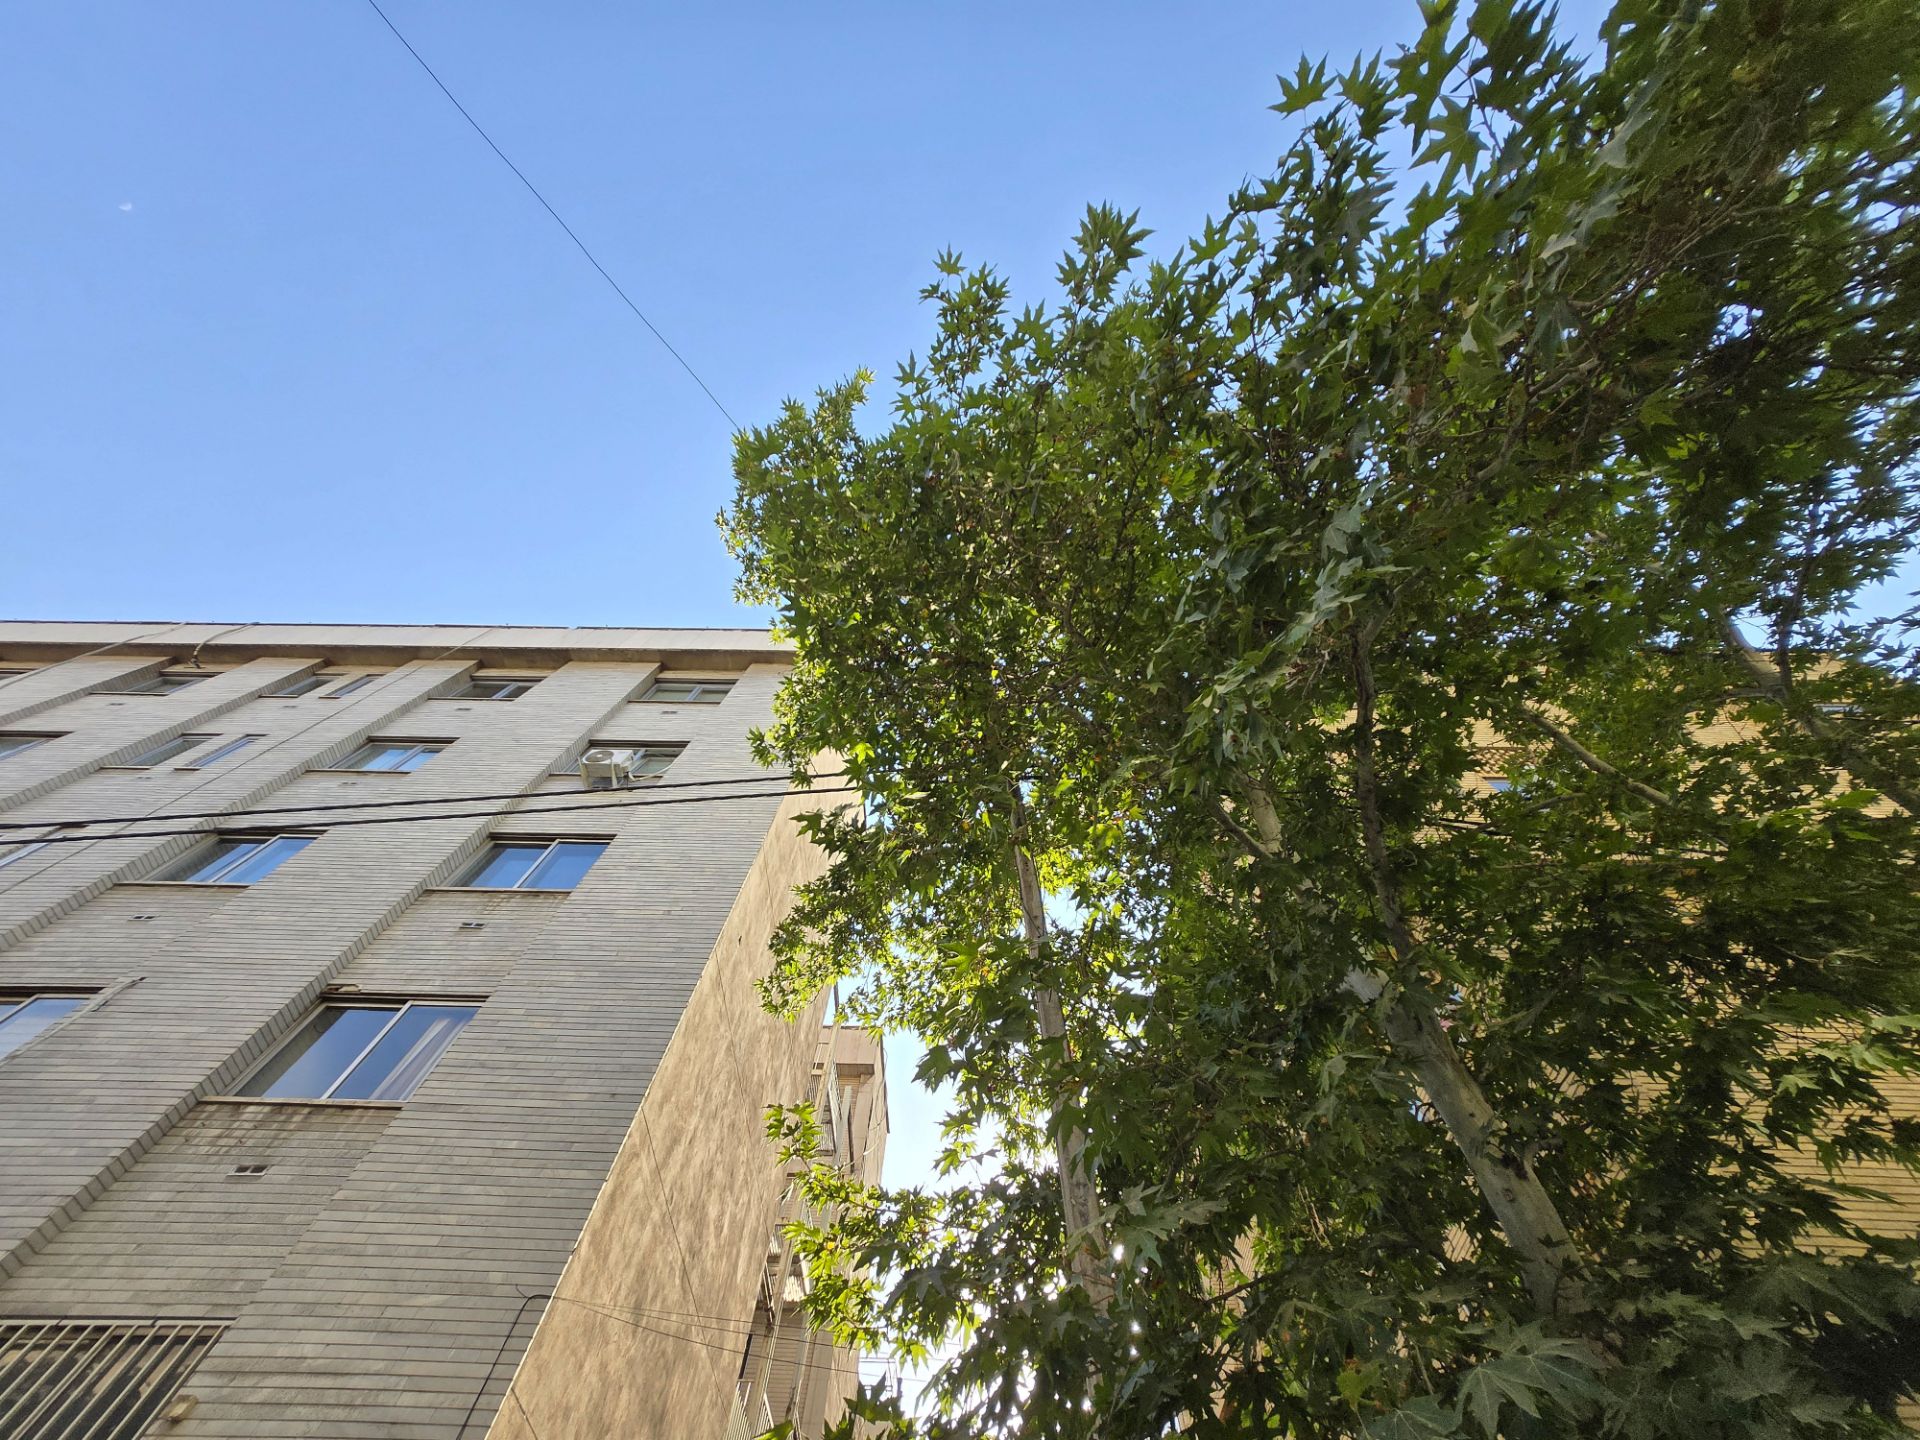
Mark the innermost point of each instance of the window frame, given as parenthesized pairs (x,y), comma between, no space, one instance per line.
(548,844)
(721,688)
(19,997)
(263,840)
(12,852)
(33,740)
(221,752)
(350,682)
(299,686)
(151,758)
(398,1007)
(523,682)
(161,682)
(426,749)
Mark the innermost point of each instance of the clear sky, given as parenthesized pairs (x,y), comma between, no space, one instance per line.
(280,339)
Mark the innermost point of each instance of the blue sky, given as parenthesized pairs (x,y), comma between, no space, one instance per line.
(275,317)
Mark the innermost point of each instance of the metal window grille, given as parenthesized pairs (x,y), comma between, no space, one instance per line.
(94,1379)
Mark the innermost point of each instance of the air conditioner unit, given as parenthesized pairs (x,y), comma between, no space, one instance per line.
(606,769)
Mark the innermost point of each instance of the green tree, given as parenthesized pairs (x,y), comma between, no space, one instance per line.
(1537,419)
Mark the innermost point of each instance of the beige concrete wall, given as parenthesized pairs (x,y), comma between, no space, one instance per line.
(646,1331)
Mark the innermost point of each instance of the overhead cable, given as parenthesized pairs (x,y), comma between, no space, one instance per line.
(534,191)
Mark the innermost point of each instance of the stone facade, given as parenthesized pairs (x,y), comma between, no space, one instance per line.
(565,1229)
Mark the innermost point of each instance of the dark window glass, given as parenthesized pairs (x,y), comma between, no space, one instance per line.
(305,685)
(493,689)
(14,744)
(165,751)
(690,692)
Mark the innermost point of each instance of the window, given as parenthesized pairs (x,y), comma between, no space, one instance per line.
(104,1379)
(13,672)
(19,851)
(1498,784)
(163,752)
(232,747)
(23,1017)
(305,685)
(689,692)
(13,744)
(640,760)
(340,692)
(354,1051)
(534,864)
(164,683)
(388,755)
(237,859)
(494,688)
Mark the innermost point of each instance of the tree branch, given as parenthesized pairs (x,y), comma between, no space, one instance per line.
(1592,761)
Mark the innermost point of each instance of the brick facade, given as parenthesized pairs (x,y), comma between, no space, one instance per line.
(581,1170)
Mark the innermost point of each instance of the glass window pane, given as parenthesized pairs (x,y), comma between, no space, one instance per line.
(11,853)
(564,865)
(670,690)
(395,1067)
(14,744)
(505,866)
(35,1017)
(305,685)
(232,747)
(266,859)
(205,865)
(352,685)
(166,750)
(306,1066)
(654,762)
(415,756)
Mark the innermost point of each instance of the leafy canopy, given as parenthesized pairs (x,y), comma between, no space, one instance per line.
(1539,420)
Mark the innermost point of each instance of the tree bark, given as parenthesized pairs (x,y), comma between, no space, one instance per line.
(1079,1201)
(1526,1213)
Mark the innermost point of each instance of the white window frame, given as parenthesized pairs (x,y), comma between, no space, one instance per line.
(720,688)
(398,1007)
(521,842)
(14,851)
(415,747)
(234,862)
(524,682)
(219,753)
(161,683)
(30,739)
(141,762)
(19,998)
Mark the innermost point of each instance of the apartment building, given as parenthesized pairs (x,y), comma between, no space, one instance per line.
(379,1048)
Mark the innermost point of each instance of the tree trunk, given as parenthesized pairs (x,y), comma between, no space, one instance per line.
(1079,1202)
(1527,1214)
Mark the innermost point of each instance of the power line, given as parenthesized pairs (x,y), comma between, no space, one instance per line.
(764,777)
(534,191)
(463,814)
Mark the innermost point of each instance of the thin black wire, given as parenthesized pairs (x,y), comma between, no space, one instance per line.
(487,1379)
(534,191)
(465,814)
(764,777)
